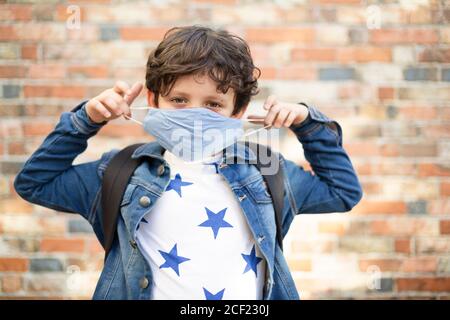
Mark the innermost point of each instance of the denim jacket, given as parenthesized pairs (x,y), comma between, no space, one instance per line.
(48,178)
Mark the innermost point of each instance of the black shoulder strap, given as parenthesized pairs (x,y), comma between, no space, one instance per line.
(275,183)
(115,181)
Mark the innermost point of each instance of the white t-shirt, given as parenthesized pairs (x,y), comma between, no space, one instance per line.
(197,240)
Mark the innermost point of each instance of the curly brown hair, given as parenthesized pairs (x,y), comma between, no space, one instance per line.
(224,57)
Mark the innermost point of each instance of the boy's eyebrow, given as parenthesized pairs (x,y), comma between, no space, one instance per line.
(187,95)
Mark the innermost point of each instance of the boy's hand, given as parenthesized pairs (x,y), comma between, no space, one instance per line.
(112,103)
(282,114)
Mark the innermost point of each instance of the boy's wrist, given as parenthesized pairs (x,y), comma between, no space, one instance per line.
(314,119)
(83,122)
(308,119)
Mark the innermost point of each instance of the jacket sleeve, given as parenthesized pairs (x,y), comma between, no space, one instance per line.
(334,185)
(48,177)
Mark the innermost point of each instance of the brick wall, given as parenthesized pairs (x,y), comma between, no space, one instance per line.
(381,69)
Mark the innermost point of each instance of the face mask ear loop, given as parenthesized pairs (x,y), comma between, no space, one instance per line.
(255,131)
(137,121)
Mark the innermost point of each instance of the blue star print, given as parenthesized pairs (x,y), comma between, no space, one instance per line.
(215,221)
(176,184)
(210,296)
(252,261)
(173,260)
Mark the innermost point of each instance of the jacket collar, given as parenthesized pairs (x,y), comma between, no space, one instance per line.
(155,150)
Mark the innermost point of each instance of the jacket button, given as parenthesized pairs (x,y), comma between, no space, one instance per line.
(161,170)
(242,198)
(144,201)
(143,283)
(261,238)
(133,244)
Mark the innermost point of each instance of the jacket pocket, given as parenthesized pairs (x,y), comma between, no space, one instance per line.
(257,189)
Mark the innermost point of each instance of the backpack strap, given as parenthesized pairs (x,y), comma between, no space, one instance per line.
(275,183)
(115,181)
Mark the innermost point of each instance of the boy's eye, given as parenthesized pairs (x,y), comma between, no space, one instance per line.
(214,105)
(177,100)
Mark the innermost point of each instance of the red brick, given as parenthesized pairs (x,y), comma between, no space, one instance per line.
(88,71)
(13,264)
(62,14)
(387,168)
(29,51)
(314,54)
(404,227)
(12,71)
(403,245)
(384,265)
(361,149)
(389,150)
(36,128)
(437,284)
(11,283)
(15,12)
(417,113)
(7,33)
(435,55)
(418,150)
(372,188)
(419,264)
(296,73)
(16,148)
(385,93)
(364,54)
(394,36)
(15,204)
(444,227)
(142,33)
(32,91)
(51,71)
(439,207)
(95,247)
(445,189)
(276,35)
(380,207)
(62,245)
(436,131)
(268,72)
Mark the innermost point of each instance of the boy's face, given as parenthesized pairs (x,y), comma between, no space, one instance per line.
(191,91)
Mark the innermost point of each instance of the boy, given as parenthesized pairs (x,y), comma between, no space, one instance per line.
(193,230)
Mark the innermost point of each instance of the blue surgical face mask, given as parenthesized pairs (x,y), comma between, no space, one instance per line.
(193,134)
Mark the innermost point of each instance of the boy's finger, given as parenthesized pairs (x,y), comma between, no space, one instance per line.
(134,93)
(102,109)
(281,117)
(290,119)
(121,87)
(99,108)
(111,104)
(121,103)
(254,118)
(270,101)
(271,115)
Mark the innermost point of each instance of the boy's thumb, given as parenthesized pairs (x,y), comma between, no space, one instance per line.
(133,93)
